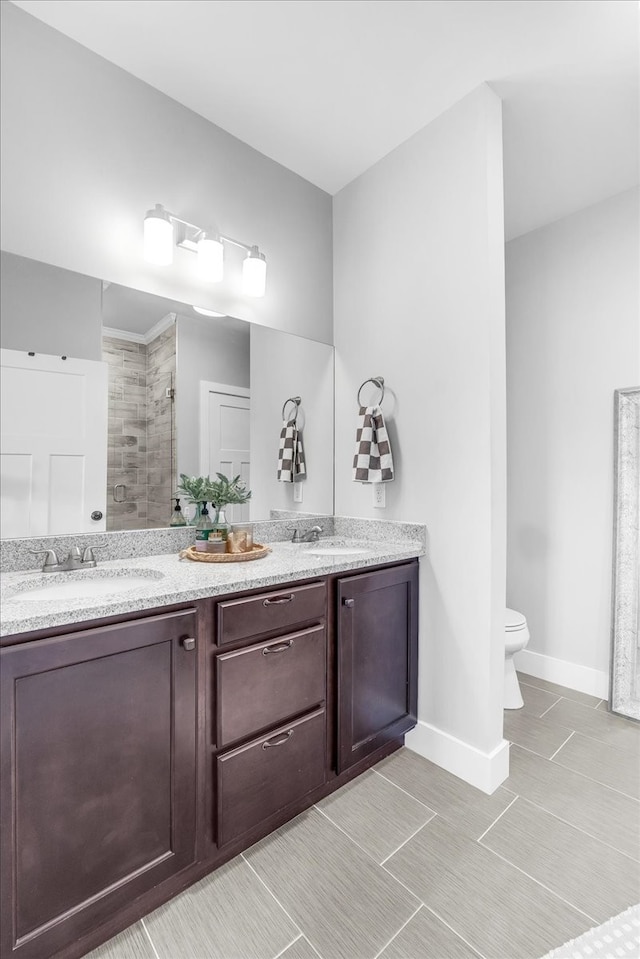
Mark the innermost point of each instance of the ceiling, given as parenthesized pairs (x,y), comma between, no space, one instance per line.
(328,87)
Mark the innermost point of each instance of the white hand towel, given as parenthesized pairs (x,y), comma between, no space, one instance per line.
(372,462)
(291,462)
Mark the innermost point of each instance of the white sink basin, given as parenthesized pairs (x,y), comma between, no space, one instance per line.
(87,587)
(337,550)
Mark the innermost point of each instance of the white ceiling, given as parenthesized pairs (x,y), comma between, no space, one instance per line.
(328,87)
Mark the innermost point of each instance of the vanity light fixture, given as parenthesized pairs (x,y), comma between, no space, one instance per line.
(162,229)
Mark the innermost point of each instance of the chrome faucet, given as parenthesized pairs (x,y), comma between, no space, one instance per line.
(311,536)
(77,559)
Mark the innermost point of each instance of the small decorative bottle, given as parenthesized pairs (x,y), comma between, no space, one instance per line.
(220,527)
(177,516)
(197,510)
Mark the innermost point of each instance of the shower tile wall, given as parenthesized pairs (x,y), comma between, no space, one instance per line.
(127,453)
(141,431)
(161,430)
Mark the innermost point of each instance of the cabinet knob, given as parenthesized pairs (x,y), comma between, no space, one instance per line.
(349,603)
(189,643)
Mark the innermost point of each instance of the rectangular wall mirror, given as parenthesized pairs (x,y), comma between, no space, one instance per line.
(109,393)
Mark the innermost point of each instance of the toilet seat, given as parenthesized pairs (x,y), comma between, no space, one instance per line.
(513,620)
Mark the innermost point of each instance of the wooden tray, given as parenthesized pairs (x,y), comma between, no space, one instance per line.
(257,552)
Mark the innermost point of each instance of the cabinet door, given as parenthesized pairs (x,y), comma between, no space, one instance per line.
(98,775)
(377,655)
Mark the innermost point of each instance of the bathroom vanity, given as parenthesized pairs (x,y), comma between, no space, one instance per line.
(143,749)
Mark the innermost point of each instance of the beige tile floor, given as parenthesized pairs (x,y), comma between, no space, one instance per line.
(408,862)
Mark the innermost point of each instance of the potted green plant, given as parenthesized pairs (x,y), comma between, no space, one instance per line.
(225,492)
(220,492)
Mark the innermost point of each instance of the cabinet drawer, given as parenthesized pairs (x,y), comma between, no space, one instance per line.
(275,610)
(261,685)
(256,780)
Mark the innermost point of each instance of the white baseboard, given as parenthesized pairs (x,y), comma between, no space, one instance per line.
(485,771)
(594,682)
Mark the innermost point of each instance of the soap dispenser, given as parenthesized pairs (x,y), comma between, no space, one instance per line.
(177,516)
(203,526)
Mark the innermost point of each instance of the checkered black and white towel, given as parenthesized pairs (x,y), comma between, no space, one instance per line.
(372,462)
(291,462)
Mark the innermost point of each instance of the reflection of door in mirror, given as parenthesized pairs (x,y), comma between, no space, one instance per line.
(141,463)
(224,438)
(54,427)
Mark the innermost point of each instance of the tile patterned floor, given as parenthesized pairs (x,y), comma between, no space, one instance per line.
(408,862)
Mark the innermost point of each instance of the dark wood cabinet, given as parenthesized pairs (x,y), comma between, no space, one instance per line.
(267,774)
(273,611)
(259,685)
(98,775)
(377,654)
(138,754)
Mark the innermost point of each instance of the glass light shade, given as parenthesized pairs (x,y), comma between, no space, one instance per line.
(254,273)
(158,237)
(210,258)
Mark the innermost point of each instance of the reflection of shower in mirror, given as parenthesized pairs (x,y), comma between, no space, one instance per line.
(141,461)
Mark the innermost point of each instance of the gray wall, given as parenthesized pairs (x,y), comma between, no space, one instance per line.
(207,350)
(573,337)
(48,310)
(419,299)
(87,149)
(284,366)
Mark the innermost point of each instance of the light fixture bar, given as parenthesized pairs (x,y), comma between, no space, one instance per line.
(242,246)
(162,229)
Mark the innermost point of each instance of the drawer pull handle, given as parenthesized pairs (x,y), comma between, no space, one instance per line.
(189,643)
(278,740)
(278,602)
(280,648)
(349,603)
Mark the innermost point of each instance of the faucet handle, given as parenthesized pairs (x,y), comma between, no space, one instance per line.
(87,556)
(51,559)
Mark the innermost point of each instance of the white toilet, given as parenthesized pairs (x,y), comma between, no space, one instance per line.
(516,637)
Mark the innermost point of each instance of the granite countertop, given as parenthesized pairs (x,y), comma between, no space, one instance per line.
(169,580)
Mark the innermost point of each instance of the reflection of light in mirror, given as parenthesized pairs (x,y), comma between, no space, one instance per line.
(203,312)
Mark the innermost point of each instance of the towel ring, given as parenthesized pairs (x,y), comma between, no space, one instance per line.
(379,382)
(292,399)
